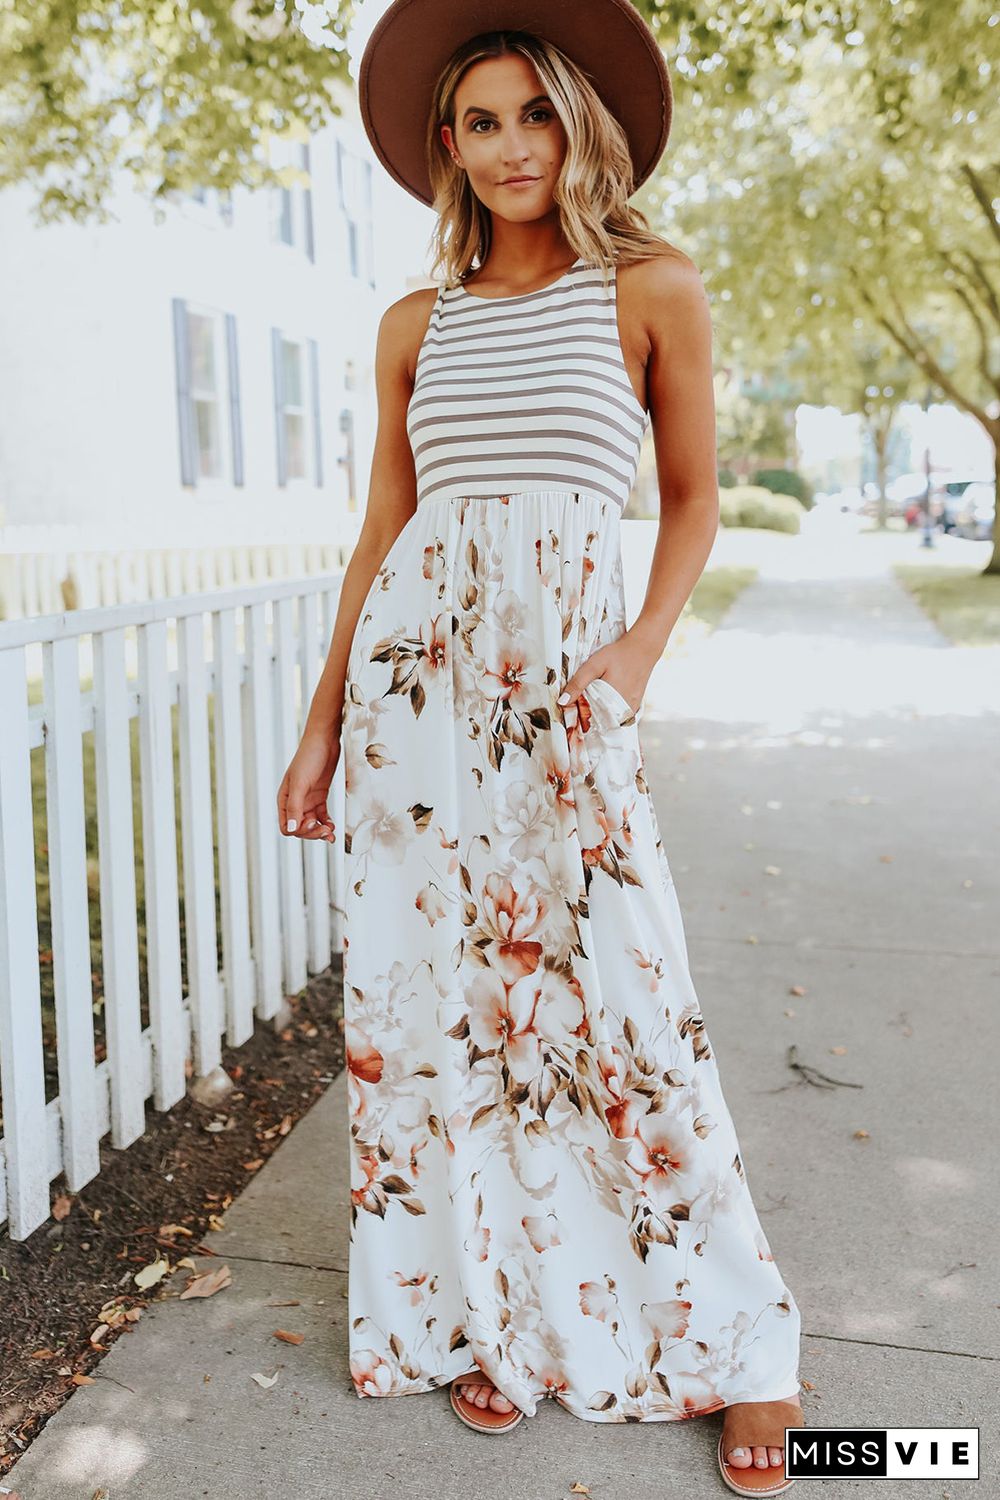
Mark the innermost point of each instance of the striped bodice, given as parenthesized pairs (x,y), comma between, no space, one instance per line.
(526,392)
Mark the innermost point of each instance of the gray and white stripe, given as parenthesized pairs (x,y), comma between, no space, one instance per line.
(525,392)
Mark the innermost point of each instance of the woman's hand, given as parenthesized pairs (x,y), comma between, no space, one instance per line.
(302,809)
(621,664)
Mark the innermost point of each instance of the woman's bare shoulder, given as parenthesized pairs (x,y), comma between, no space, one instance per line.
(403,325)
(661,294)
(666,272)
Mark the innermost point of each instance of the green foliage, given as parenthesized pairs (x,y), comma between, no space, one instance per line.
(752,505)
(176,96)
(727,478)
(786,482)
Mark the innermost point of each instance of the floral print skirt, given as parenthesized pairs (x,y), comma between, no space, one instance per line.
(546,1183)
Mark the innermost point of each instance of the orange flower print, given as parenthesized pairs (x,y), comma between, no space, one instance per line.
(364,1060)
(502,1016)
(624,1105)
(506,677)
(370,1373)
(513,915)
(667,1320)
(659,1155)
(434,636)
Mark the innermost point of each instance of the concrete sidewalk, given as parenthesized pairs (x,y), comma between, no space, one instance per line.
(825,731)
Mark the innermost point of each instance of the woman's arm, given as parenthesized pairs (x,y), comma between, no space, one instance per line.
(678,337)
(392,497)
(682,409)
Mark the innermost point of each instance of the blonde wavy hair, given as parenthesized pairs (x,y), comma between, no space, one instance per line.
(594,184)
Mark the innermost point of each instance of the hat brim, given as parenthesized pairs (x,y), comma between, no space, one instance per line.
(413,40)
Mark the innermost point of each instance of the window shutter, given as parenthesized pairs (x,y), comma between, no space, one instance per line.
(307,205)
(314,387)
(235,415)
(279,405)
(340,175)
(185,412)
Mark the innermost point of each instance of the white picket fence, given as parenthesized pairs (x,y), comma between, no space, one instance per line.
(50,567)
(253,654)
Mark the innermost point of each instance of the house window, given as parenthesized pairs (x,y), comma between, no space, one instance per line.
(354,191)
(293,411)
(297,408)
(291,200)
(208,394)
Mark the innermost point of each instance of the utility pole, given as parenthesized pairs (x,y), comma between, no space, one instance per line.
(928,538)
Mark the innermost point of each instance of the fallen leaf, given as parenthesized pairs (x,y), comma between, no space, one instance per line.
(61,1206)
(293,1303)
(168,1230)
(579,1489)
(288,1338)
(215,1221)
(253,1166)
(97,1337)
(796,989)
(151,1274)
(861,1135)
(83,1379)
(208,1283)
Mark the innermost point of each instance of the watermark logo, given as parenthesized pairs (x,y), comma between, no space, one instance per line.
(882,1453)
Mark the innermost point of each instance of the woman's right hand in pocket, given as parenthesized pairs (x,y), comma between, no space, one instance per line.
(305,786)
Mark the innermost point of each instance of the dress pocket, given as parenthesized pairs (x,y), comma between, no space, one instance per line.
(608,704)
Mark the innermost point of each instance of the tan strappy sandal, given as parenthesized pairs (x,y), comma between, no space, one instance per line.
(481,1418)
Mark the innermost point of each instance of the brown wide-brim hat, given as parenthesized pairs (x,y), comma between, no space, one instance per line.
(413,40)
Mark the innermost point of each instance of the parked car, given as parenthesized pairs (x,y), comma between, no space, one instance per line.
(948,493)
(976,510)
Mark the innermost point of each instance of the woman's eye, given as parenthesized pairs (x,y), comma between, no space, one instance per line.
(546,114)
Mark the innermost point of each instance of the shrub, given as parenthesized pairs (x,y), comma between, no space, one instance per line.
(786,482)
(753,505)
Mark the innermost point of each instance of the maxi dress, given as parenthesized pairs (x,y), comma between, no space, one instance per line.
(546,1183)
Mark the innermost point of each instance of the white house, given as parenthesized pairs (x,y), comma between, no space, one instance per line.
(202,373)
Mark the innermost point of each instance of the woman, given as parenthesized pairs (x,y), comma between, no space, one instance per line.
(546,1182)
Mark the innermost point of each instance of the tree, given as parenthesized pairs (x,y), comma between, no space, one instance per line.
(849,211)
(177,96)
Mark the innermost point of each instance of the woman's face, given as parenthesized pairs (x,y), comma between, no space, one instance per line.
(505,128)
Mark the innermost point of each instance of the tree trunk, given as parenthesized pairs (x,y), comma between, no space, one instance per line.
(993,566)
